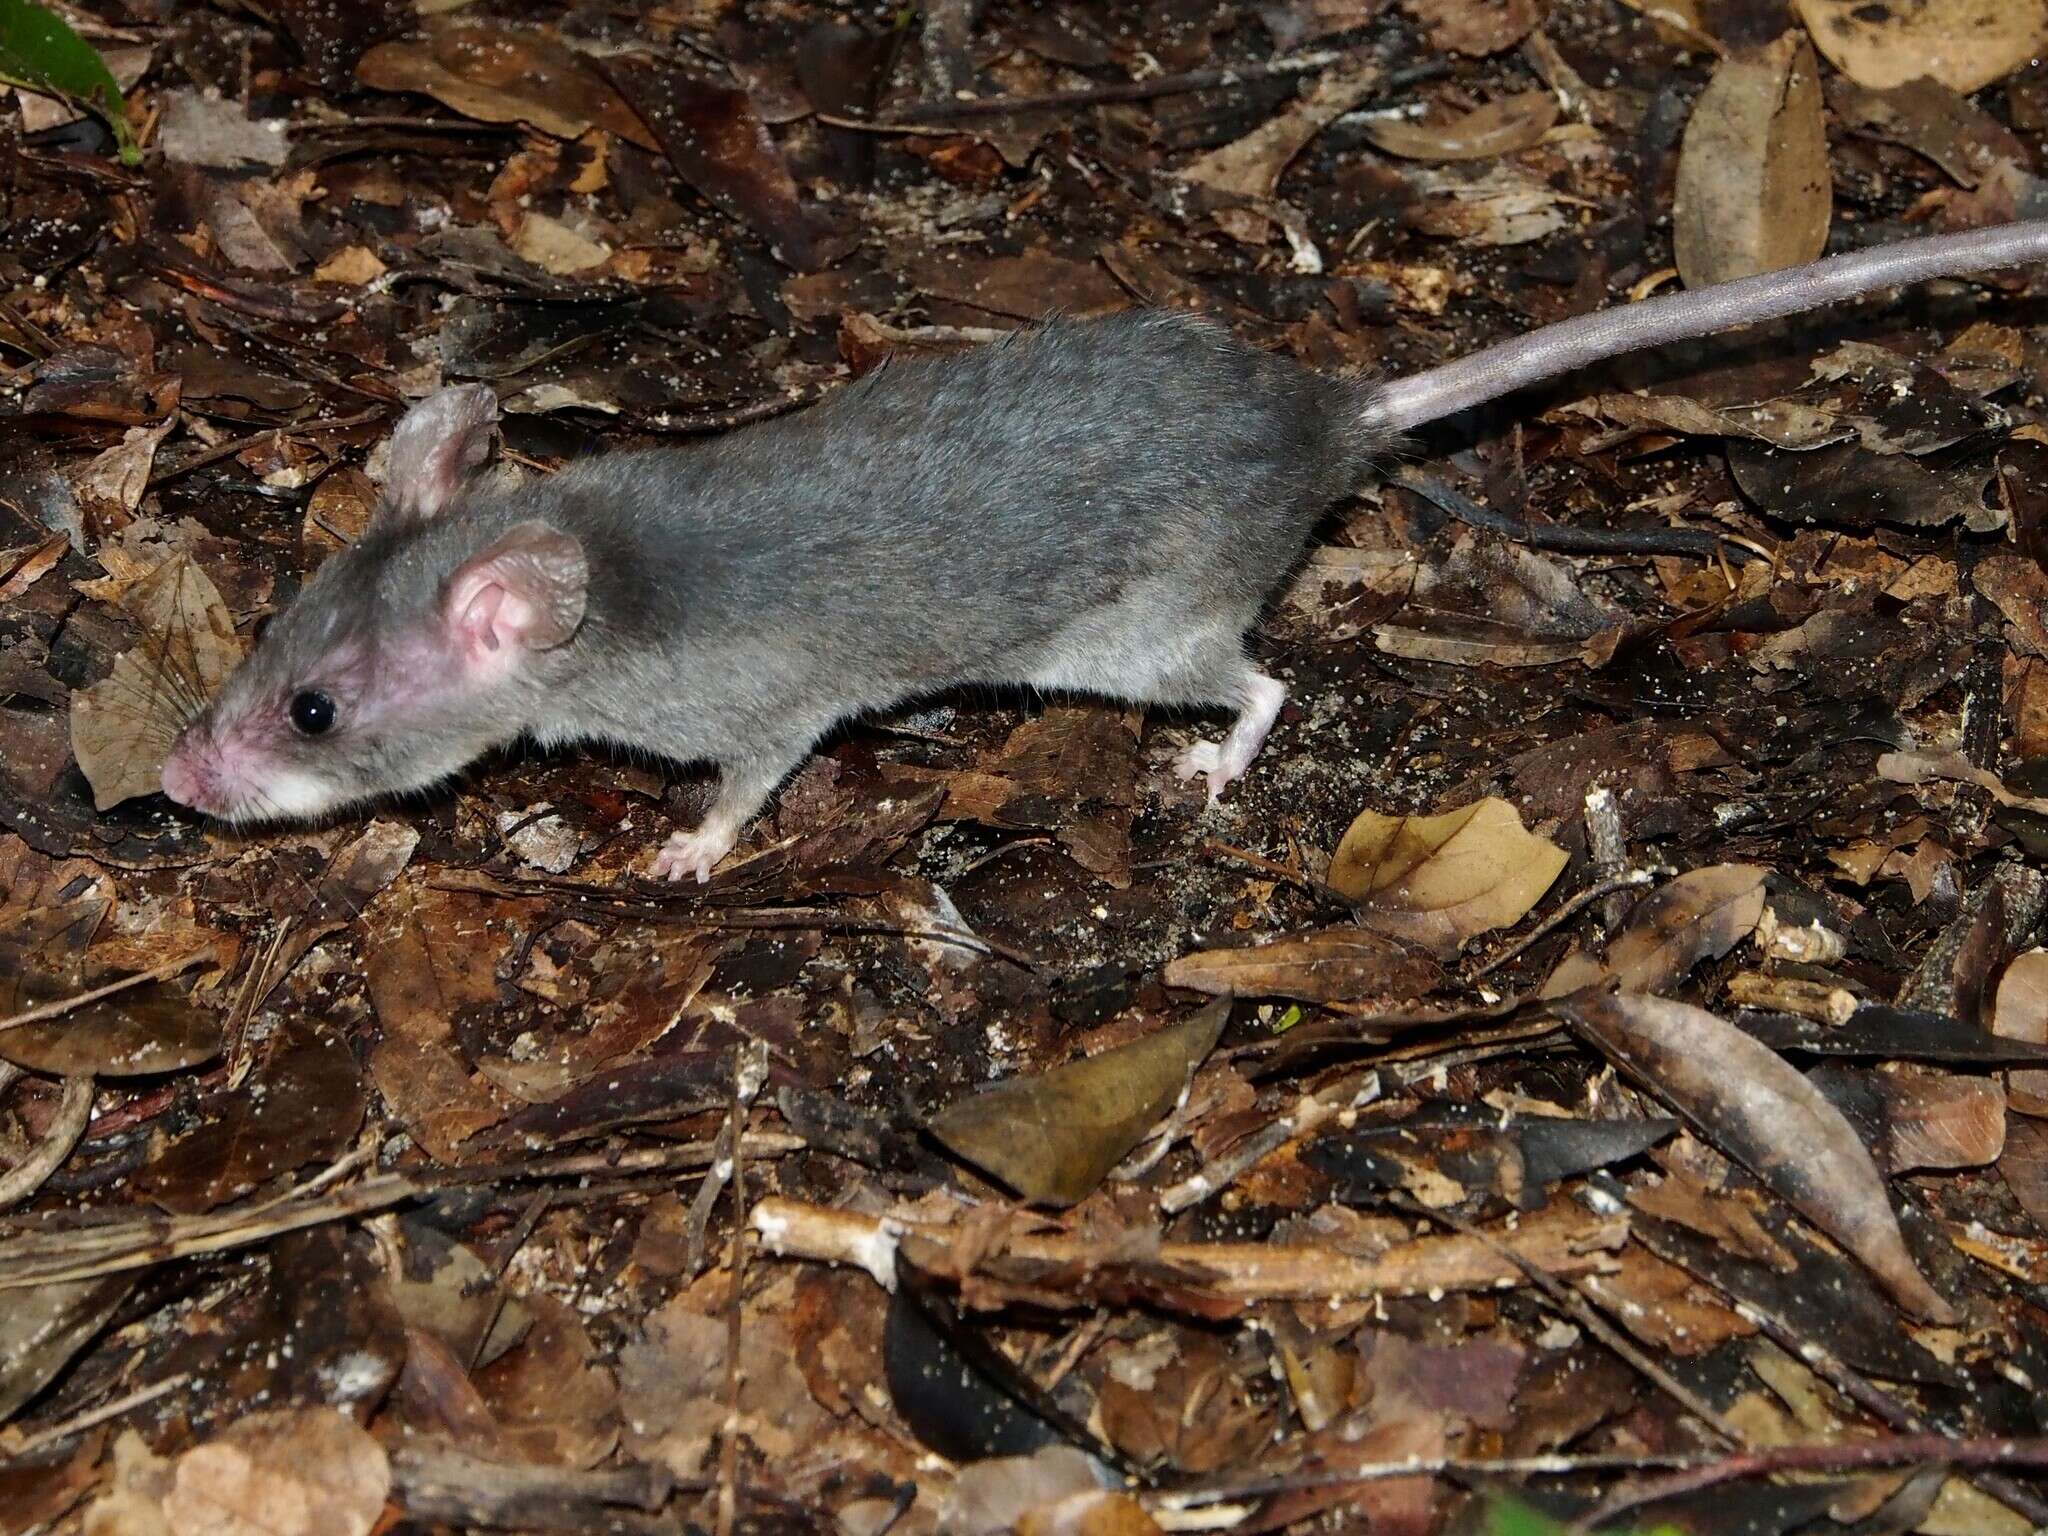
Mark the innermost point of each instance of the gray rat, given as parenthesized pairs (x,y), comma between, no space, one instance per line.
(1099,507)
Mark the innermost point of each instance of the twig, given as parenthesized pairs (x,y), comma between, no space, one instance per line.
(749,1072)
(63,1005)
(235,445)
(137,1242)
(1561,1240)
(1581,1311)
(79,1423)
(1866,1394)
(652,907)
(1846,1456)
(1310,1113)
(1129,90)
(74,1113)
(1559,538)
(1690,1471)
(1565,913)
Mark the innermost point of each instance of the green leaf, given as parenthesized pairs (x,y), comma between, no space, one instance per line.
(40,52)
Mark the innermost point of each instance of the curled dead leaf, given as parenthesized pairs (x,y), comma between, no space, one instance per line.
(1754,1106)
(1332,965)
(1500,127)
(1439,880)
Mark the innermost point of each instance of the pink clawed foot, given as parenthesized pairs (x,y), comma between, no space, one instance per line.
(1224,762)
(694,853)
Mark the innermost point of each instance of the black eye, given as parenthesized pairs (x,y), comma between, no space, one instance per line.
(312,712)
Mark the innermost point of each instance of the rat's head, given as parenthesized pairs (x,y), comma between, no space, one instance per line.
(407,655)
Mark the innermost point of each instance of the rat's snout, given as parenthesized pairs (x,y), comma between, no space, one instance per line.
(191,776)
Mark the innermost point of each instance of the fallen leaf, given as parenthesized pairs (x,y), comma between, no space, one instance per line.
(302,1103)
(2019,1011)
(1502,126)
(1929,765)
(218,133)
(1504,205)
(1348,965)
(1252,166)
(293,1472)
(555,248)
(1702,913)
(1475,27)
(1941,1120)
(122,727)
(1751,1104)
(1438,881)
(1754,191)
(1965,44)
(499,74)
(1055,1136)
(111,486)
(43,1327)
(717,143)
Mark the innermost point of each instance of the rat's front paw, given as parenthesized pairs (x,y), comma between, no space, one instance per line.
(1204,760)
(692,853)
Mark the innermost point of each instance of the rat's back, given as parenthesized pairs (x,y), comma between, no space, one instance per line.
(951,519)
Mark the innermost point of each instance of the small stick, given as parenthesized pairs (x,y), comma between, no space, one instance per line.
(1310,1113)
(64,1005)
(1569,910)
(1566,1242)
(79,1423)
(1690,1471)
(1560,538)
(1574,1304)
(1129,90)
(74,1113)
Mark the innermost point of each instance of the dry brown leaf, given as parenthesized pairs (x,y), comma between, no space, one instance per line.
(1475,27)
(1942,1120)
(1440,880)
(1702,912)
(1501,127)
(1927,765)
(1334,965)
(354,265)
(1252,165)
(1754,189)
(1749,1102)
(555,248)
(1680,20)
(498,74)
(122,727)
(1054,1136)
(295,1472)
(1965,44)
(2020,1012)
(114,482)
(1506,205)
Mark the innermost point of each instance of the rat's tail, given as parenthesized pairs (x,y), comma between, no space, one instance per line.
(1558,349)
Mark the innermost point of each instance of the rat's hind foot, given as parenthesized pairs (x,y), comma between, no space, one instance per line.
(694,853)
(1225,761)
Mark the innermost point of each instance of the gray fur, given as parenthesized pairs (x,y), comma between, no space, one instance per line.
(1100,507)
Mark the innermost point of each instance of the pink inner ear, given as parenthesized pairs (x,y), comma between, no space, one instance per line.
(480,614)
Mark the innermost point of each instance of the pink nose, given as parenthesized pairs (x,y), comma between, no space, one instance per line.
(186,780)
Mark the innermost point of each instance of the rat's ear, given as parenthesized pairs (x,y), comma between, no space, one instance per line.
(436,446)
(524,593)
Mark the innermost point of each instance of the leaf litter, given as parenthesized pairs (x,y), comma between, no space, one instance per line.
(1005,1124)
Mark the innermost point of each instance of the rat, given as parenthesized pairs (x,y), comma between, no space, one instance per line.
(1099,507)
